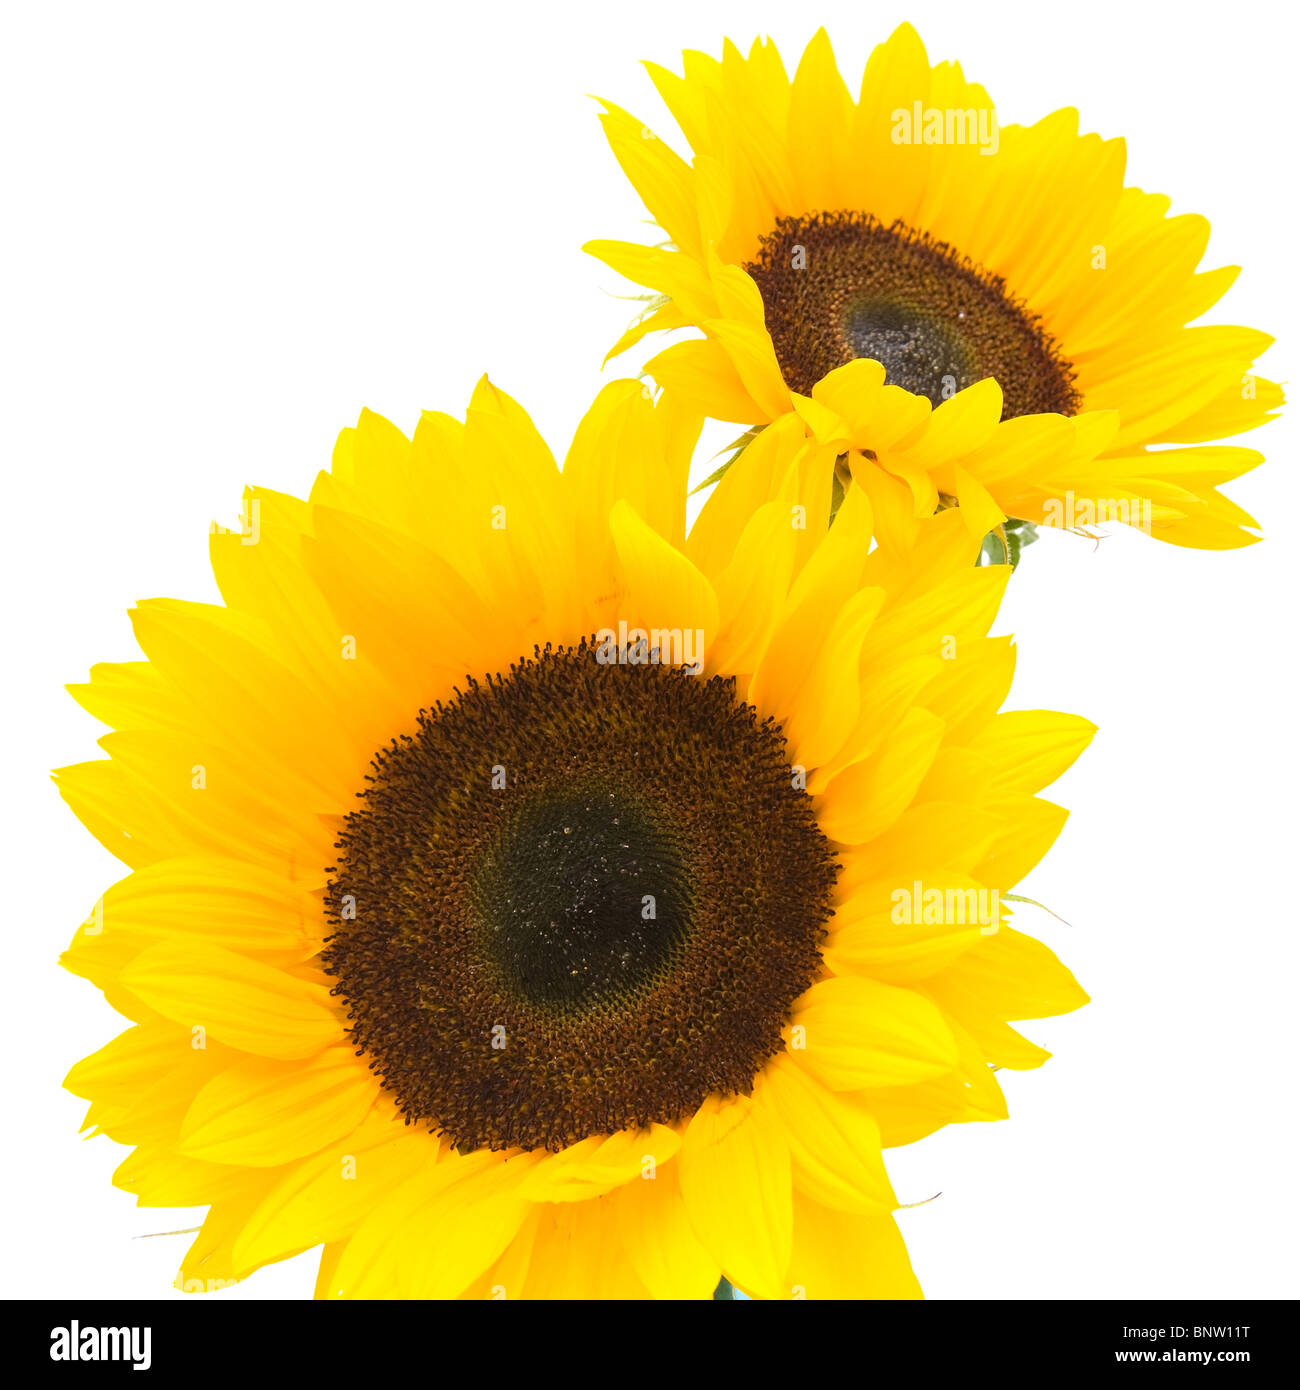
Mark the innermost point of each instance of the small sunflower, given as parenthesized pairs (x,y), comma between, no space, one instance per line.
(908,231)
(529,900)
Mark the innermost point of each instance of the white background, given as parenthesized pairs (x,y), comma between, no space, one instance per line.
(228,227)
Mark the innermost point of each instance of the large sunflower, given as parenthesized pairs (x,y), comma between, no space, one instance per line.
(908,231)
(475,937)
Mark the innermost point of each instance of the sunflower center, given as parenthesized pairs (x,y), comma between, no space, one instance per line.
(839,286)
(584,902)
(580,897)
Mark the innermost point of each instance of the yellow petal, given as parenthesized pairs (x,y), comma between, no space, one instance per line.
(261,1113)
(834,1142)
(852,1032)
(1031,748)
(327,1196)
(659,1241)
(659,175)
(254,1007)
(735,1175)
(704,375)
(436,1233)
(842,1256)
(869,796)
(596,1165)
(661,587)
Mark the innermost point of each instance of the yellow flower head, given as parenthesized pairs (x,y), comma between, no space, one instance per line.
(826,247)
(529,899)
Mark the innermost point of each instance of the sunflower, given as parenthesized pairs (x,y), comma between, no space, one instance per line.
(530,900)
(908,231)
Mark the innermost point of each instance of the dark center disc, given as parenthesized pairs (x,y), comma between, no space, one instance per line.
(840,286)
(580,897)
(567,898)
